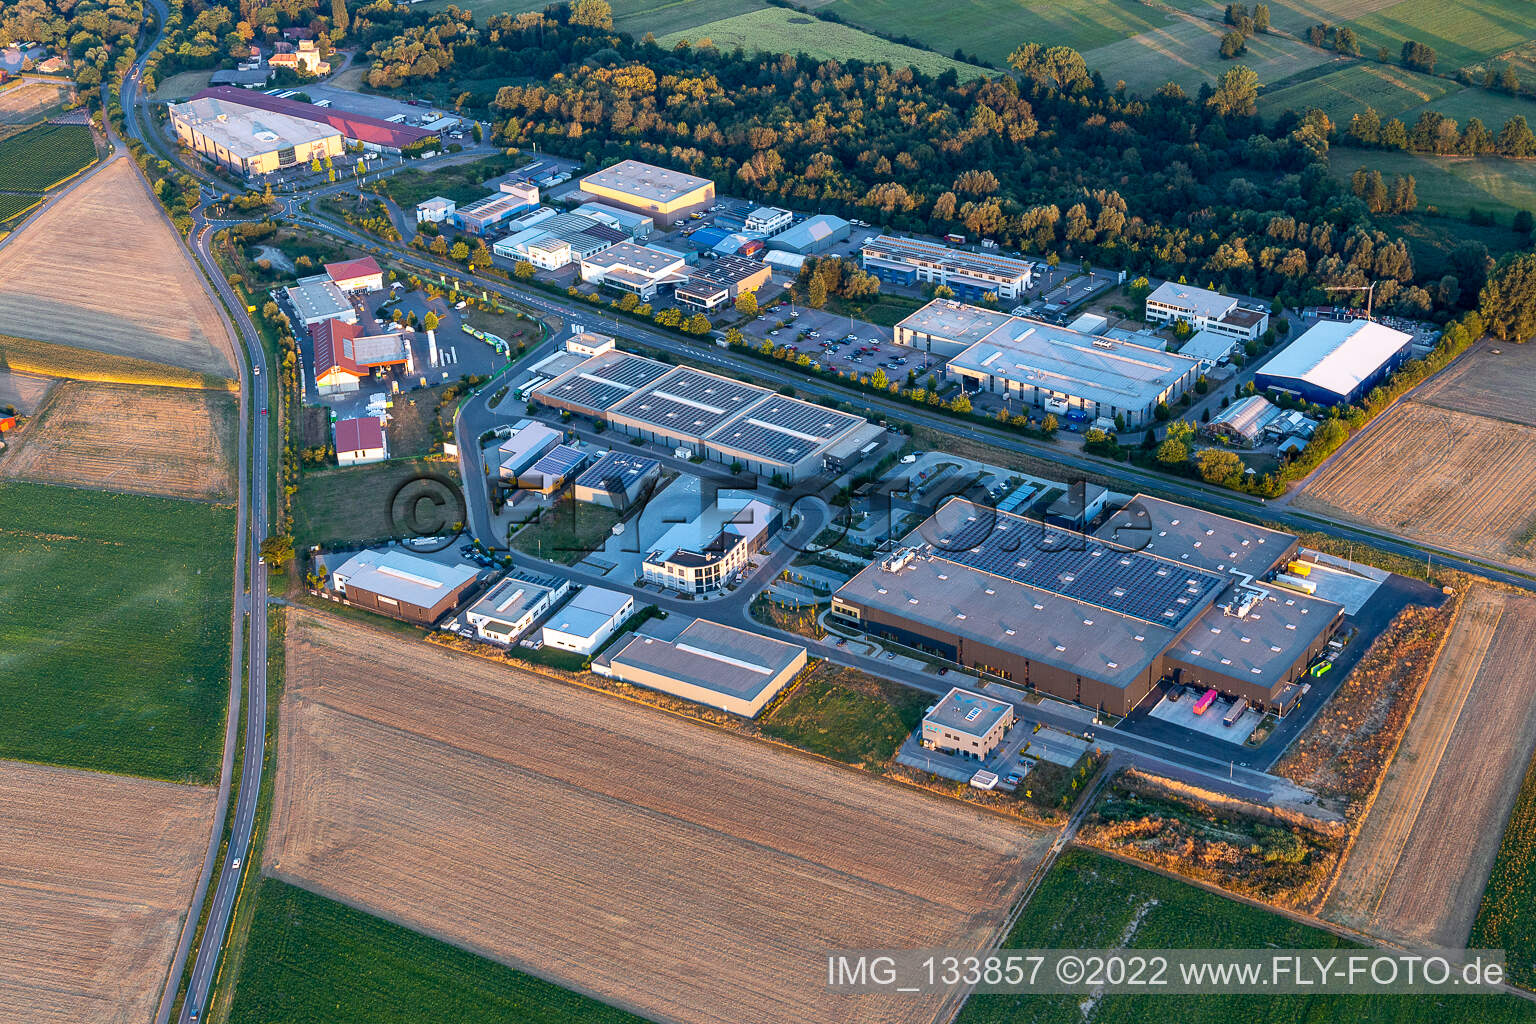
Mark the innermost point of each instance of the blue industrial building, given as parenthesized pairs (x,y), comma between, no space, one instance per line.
(1336,362)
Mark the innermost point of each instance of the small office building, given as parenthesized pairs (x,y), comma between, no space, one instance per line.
(1205,310)
(641,270)
(702,555)
(436,210)
(510,608)
(970,275)
(967,723)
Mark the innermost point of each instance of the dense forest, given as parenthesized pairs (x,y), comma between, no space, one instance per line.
(88,32)
(1048,160)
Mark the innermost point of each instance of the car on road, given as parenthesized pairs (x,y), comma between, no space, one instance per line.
(236,865)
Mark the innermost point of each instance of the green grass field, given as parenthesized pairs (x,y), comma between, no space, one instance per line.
(1507,918)
(114,639)
(41,157)
(992,29)
(637,17)
(459,182)
(776,30)
(1454,184)
(567,531)
(1354,86)
(1461,33)
(1090,901)
(1184,51)
(351,504)
(839,721)
(1464,104)
(311,959)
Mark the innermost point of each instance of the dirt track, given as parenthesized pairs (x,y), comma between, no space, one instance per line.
(125,437)
(103,270)
(95,875)
(1417,870)
(688,874)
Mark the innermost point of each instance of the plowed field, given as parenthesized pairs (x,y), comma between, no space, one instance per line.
(95,875)
(684,873)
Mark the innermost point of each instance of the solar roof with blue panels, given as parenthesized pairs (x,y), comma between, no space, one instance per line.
(559,462)
(783,430)
(603,381)
(1075,566)
(691,402)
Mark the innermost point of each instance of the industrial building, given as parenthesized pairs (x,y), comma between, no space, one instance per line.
(722,419)
(549,473)
(344,355)
(402,585)
(702,555)
(1209,349)
(510,608)
(587,620)
(316,299)
(967,723)
(1244,422)
(666,196)
(483,216)
(250,141)
(558,241)
(372,133)
(529,442)
(1043,366)
(1335,361)
(813,235)
(631,267)
(1205,310)
(436,210)
(1159,591)
(720,281)
(360,441)
(719,666)
(361,275)
(618,480)
(635,225)
(969,275)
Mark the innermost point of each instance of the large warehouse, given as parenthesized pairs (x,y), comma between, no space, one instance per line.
(722,419)
(721,666)
(1162,591)
(372,133)
(665,196)
(1335,362)
(970,275)
(1043,366)
(249,140)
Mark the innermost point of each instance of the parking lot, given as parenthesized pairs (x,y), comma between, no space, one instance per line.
(841,343)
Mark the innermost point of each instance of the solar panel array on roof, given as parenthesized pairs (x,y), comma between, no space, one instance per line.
(691,402)
(559,461)
(1129,583)
(608,381)
(796,417)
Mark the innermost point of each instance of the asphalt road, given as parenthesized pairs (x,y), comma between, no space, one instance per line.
(249,632)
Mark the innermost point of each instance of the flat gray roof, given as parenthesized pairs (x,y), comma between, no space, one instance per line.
(246,131)
(513,597)
(402,576)
(1195,537)
(955,321)
(647,181)
(643,259)
(317,297)
(967,712)
(1198,301)
(722,659)
(981,265)
(1262,645)
(587,612)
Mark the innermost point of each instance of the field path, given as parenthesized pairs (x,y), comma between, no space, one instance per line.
(1417,870)
(683,872)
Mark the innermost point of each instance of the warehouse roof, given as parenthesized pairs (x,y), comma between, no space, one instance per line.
(783,430)
(317,297)
(494,205)
(811,231)
(1056,359)
(588,612)
(404,577)
(1195,537)
(244,130)
(691,402)
(914,250)
(642,259)
(1208,347)
(348,270)
(963,711)
(1262,643)
(1247,417)
(357,127)
(616,471)
(708,655)
(646,181)
(602,382)
(1337,355)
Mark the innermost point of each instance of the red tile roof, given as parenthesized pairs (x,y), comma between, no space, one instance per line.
(333,347)
(359,435)
(348,270)
(357,127)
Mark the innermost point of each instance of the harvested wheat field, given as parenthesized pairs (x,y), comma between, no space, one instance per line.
(681,872)
(1493,379)
(96,872)
(27,102)
(24,391)
(126,437)
(1438,476)
(1417,870)
(104,270)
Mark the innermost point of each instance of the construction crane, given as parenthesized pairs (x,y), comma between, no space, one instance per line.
(1370,295)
